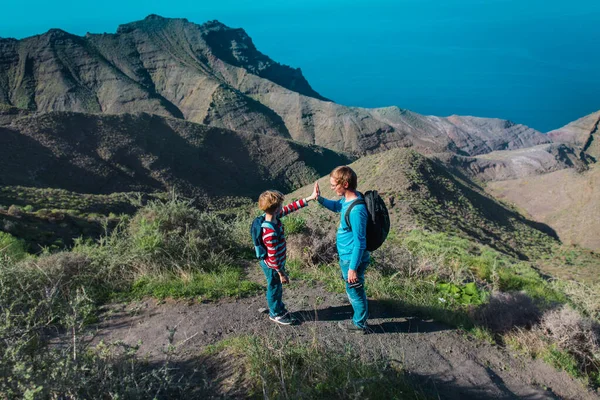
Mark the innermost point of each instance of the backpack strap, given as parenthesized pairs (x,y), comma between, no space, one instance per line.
(347,216)
(270,225)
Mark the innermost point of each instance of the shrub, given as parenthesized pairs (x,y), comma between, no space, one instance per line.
(467,294)
(586,297)
(576,335)
(12,247)
(507,311)
(163,235)
(15,211)
(293,224)
(315,246)
(393,258)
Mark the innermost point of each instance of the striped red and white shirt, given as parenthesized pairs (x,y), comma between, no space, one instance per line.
(274,239)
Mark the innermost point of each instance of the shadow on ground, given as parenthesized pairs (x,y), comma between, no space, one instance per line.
(400,319)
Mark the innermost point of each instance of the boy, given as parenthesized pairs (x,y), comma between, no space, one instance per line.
(273,236)
(351,243)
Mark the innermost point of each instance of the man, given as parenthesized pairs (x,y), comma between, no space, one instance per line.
(351,243)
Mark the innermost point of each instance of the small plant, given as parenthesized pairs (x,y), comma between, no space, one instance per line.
(293,224)
(467,294)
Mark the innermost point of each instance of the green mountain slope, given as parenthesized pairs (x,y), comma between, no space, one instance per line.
(421,193)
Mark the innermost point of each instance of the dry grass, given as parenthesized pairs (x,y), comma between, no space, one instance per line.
(577,335)
(313,247)
(587,297)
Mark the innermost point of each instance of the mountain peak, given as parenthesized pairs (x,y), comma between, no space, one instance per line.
(57,33)
(154,17)
(151,22)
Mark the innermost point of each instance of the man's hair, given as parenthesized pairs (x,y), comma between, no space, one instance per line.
(345,174)
(270,200)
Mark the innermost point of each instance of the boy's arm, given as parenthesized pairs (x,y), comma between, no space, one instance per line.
(358,221)
(293,206)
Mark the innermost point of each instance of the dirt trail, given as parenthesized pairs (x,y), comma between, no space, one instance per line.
(444,361)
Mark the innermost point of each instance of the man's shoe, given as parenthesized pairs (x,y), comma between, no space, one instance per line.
(350,327)
(285,319)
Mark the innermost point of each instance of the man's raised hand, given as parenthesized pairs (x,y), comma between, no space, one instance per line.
(316,193)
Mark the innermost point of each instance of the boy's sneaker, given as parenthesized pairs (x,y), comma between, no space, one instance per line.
(285,319)
(350,327)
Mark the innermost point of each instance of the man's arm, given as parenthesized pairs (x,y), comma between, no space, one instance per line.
(335,206)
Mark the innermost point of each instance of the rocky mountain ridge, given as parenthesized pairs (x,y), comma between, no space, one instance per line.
(102,154)
(213,74)
(582,133)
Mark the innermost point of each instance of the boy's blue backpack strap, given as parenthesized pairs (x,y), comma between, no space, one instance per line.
(256,233)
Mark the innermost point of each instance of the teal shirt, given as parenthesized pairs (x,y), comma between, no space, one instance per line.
(351,244)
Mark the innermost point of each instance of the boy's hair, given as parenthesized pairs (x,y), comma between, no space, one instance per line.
(270,200)
(345,174)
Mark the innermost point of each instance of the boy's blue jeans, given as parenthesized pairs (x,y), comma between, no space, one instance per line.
(357,296)
(274,291)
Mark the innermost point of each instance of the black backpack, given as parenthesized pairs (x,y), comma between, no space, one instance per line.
(378,224)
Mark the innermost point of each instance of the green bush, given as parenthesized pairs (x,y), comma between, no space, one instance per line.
(12,247)
(164,235)
(293,224)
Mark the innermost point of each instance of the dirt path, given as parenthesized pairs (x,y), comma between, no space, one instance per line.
(444,361)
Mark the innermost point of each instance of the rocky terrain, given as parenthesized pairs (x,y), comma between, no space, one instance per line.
(514,164)
(568,200)
(213,74)
(446,363)
(102,154)
(582,133)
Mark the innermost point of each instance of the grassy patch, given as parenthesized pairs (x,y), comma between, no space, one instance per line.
(278,369)
(562,360)
(201,285)
(419,296)
(293,224)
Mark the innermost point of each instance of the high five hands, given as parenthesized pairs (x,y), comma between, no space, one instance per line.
(316,193)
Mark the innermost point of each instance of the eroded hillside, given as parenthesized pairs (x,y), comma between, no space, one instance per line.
(102,154)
